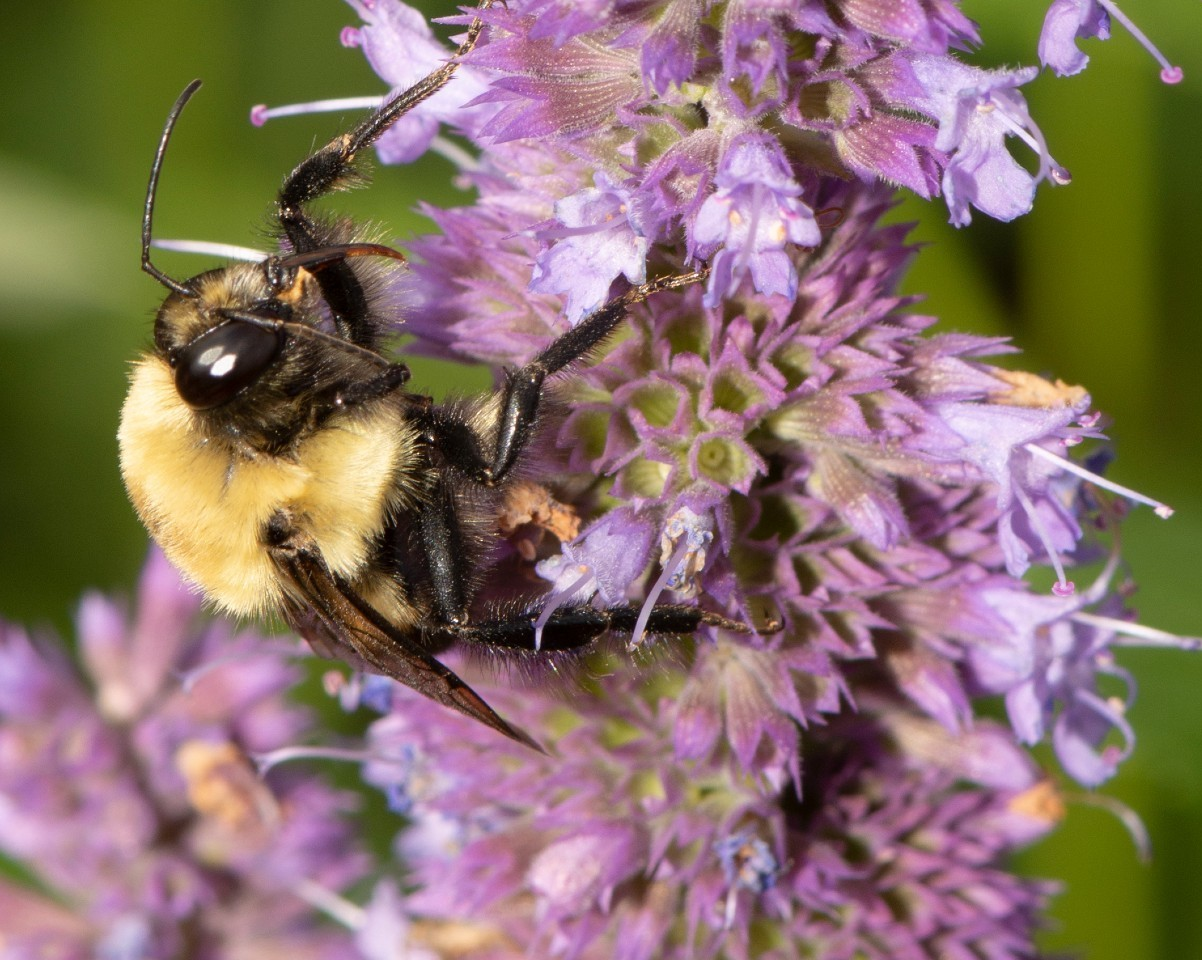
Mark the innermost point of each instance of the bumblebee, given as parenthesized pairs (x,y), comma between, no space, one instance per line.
(278,458)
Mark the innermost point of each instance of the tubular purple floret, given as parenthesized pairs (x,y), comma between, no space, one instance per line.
(1130,634)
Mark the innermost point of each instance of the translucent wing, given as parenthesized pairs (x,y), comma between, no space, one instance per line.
(333,618)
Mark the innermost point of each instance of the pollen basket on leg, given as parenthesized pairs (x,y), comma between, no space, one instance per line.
(208,506)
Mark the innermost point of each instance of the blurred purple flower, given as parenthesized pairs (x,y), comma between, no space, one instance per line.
(132,799)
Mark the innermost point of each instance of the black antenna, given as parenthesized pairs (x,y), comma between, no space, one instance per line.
(148,215)
(304,331)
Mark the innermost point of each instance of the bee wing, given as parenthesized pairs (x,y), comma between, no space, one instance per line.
(323,608)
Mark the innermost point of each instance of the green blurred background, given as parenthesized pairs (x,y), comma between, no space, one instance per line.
(1101,285)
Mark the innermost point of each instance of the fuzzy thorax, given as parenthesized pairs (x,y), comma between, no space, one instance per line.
(208,505)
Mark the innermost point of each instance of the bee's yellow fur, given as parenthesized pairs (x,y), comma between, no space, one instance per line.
(207,504)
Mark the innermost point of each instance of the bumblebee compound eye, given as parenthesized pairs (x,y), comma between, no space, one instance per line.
(218,365)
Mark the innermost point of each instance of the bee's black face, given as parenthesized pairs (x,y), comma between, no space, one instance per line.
(219,364)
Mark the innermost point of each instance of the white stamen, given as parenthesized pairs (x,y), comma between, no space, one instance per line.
(1098,590)
(1162,510)
(1063,587)
(749,244)
(732,904)
(670,569)
(265,761)
(335,907)
(1169,73)
(189,678)
(1029,133)
(261,113)
(450,150)
(1140,635)
(557,600)
(227,251)
(1126,816)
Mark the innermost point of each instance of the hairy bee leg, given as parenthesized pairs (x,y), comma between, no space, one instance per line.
(524,387)
(442,541)
(333,166)
(359,392)
(322,172)
(462,448)
(573,627)
(567,628)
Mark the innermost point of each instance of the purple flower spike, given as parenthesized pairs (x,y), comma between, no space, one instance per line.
(133,801)
(605,849)
(838,499)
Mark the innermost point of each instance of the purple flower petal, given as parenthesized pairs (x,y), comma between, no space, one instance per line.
(599,238)
(746,223)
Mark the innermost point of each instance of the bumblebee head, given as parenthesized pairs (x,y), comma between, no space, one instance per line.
(225,331)
(219,331)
